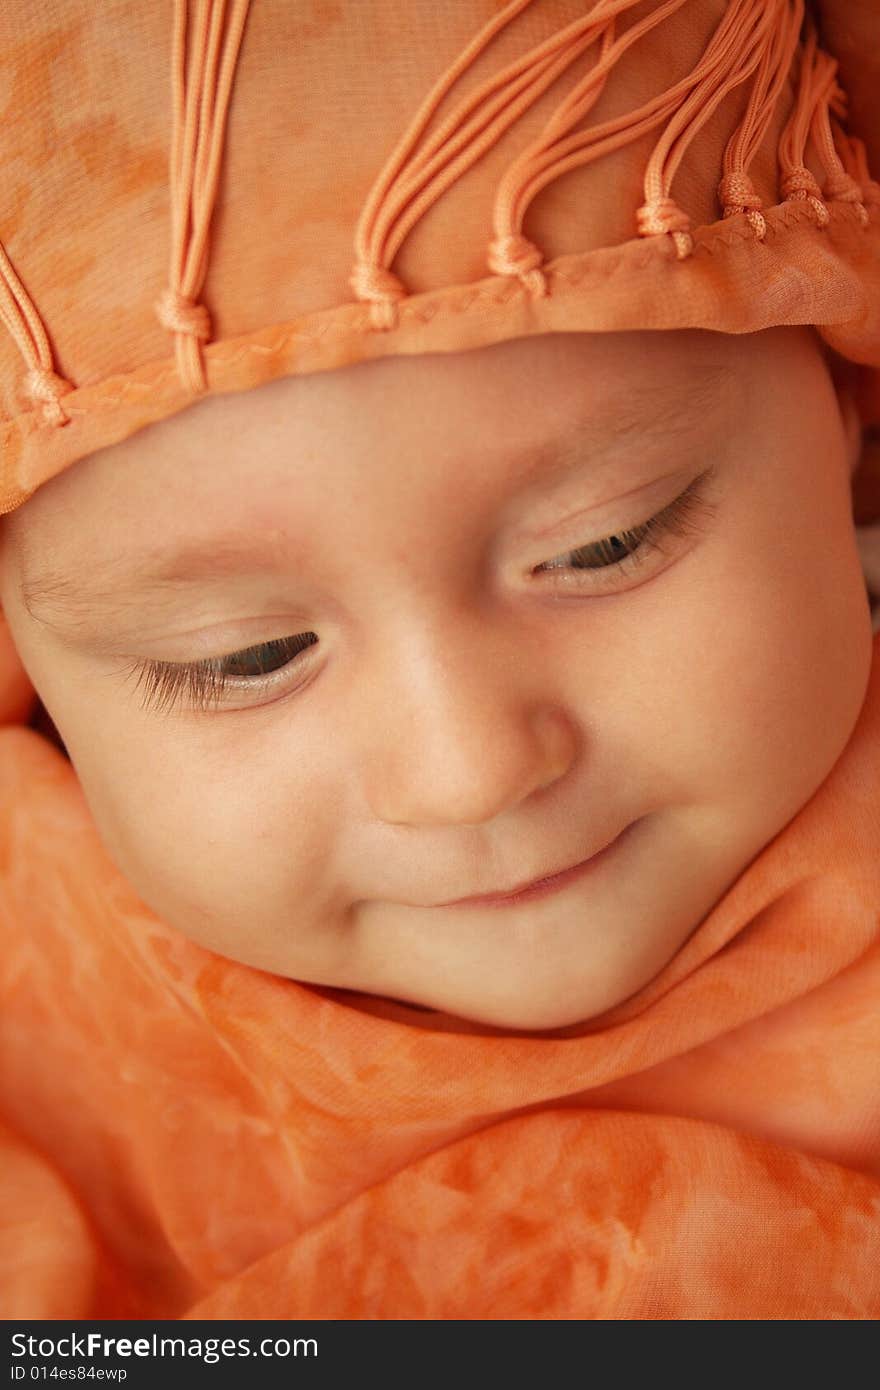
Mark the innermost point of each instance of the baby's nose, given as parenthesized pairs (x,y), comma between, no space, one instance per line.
(460,732)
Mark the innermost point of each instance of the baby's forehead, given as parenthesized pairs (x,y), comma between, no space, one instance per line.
(515,379)
(378,432)
(460,414)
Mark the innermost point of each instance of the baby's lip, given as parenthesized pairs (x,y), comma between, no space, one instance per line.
(532,887)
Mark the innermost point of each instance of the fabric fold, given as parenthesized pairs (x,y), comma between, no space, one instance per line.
(247,1146)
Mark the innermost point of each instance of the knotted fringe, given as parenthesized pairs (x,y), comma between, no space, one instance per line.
(200,100)
(736,192)
(402,194)
(840,185)
(855,157)
(818,93)
(755,38)
(554,152)
(734,52)
(42,383)
(390,212)
(546,158)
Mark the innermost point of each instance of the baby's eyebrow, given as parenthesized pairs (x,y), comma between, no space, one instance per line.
(650,413)
(115,586)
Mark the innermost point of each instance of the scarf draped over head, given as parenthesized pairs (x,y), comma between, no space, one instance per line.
(171,222)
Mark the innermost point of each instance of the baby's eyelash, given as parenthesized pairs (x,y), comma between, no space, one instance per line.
(202,684)
(624,549)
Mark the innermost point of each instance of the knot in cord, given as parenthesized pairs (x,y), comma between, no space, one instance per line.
(181,315)
(841,187)
(664,215)
(799,185)
(382,288)
(736,193)
(46,386)
(516,255)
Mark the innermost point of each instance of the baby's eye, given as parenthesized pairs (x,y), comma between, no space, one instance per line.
(203,683)
(614,557)
(603,563)
(264,658)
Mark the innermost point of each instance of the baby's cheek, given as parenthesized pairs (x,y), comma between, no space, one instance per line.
(785,678)
(230,854)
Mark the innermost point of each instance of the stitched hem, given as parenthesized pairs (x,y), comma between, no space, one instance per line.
(490,310)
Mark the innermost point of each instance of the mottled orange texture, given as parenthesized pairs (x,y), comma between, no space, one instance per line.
(634,163)
(200,1139)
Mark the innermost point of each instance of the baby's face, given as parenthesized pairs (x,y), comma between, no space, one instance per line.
(436,675)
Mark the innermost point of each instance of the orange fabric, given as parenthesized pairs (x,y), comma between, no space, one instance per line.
(184,1136)
(201,1139)
(696,108)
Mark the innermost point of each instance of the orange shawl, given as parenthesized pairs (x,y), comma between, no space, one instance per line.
(194,1138)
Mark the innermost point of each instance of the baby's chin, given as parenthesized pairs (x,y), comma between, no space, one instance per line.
(529,1015)
(437,1019)
(514,995)
(517,1017)
(523,1009)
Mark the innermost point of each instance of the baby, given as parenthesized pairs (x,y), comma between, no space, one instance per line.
(474,679)
(461,898)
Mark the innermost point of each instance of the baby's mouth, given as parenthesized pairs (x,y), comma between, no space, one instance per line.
(538,887)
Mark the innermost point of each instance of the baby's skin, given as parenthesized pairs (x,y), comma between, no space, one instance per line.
(463,662)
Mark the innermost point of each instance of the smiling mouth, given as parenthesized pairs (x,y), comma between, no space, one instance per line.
(538,887)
